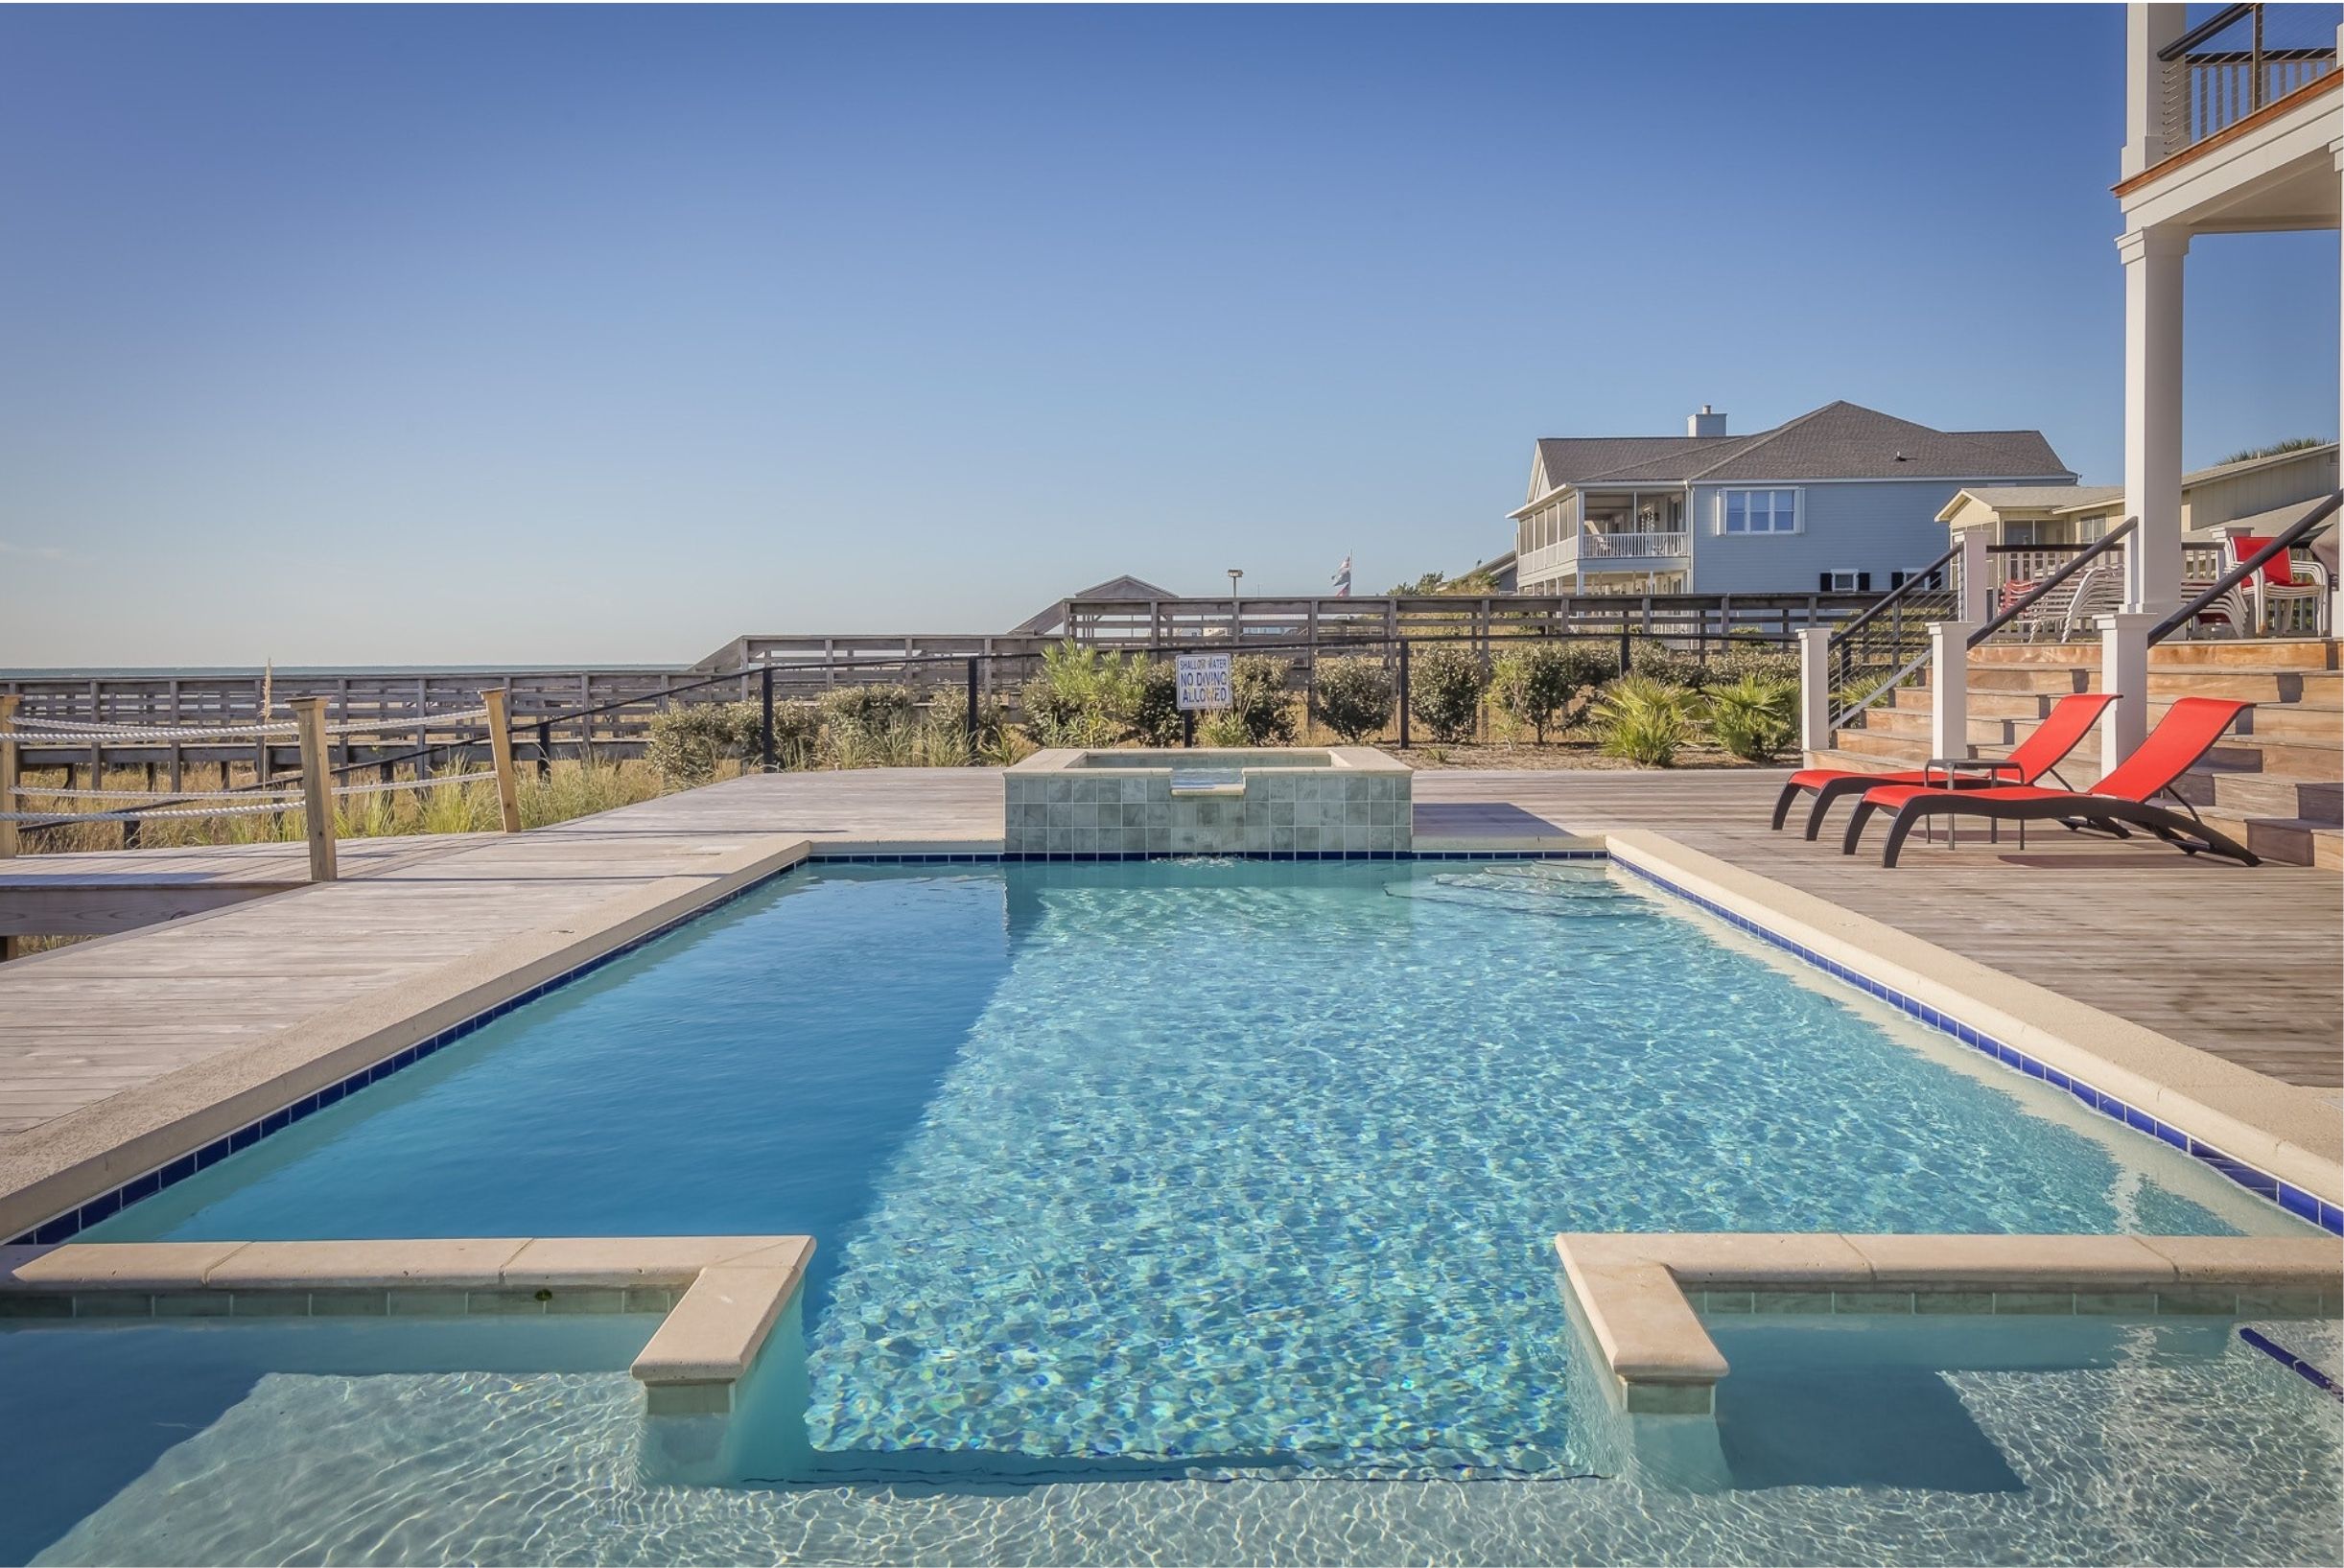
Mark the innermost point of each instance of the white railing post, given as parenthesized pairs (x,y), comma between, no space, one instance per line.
(1949,688)
(2123,669)
(1814,690)
(1976,584)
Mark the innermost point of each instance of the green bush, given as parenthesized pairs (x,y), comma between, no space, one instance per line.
(1155,717)
(1084,698)
(1755,718)
(1743,658)
(1225,728)
(1657,661)
(1354,696)
(687,742)
(1536,684)
(1644,721)
(871,708)
(1260,707)
(797,735)
(1445,684)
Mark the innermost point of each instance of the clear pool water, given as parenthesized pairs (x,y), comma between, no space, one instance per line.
(1914,1440)
(1230,1163)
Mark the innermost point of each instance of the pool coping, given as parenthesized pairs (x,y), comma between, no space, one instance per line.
(1635,1292)
(719,1296)
(2278,1141)
(64,1176)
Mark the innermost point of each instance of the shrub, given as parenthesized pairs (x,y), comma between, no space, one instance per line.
(1755,718)
(1656,661)
(1644,721)
(1534,685)
(797,734)
(1225,728)
(1354,696)
(1260,710)
(1155,717)
(687,744)
(1745,657)
(1086,698)
(868,707)
(1445,684)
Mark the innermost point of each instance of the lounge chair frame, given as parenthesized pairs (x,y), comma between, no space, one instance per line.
(2076,811)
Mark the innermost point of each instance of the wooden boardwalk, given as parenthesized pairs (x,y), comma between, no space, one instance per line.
(2245,964)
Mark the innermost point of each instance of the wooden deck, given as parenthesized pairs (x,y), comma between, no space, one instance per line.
(2245,964)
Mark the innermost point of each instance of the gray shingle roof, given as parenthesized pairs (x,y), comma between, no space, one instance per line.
(1838,441)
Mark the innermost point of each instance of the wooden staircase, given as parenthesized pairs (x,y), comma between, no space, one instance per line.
(2278,788)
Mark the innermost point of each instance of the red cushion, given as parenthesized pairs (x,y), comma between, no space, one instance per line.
(1815,778)
(1892,796)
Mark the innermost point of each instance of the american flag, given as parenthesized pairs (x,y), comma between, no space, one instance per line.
(1343,579)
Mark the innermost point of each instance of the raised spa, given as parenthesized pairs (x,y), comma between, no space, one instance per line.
(1337,800)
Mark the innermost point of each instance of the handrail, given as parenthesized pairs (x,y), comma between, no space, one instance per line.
(1896,594)
(2108,541)
(2207,28)
(2247,568)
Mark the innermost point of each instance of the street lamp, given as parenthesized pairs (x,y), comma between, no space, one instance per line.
(1234,572)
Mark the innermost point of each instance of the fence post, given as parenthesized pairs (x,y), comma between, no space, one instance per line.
(545,748)
(8,774)
(1404,693)
(1814,690)
(1625,653)
(764,744)
(317,786)
(500,750)
(973,746)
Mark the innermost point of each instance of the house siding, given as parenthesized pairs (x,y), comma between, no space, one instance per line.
(1882,528)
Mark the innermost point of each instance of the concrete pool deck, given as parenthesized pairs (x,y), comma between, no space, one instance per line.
(119,1055)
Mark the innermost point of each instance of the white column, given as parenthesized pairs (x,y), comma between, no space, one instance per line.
(2123,669)
(1814,690)
(2150,86)
(1975,604)
(1949,688)
(2152,415)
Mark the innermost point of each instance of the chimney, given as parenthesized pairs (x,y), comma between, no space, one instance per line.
(1705,423)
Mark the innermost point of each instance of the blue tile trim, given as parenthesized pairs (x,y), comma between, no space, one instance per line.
(2292,1363)
(72,1222)
(1067,858)
(2294,1200)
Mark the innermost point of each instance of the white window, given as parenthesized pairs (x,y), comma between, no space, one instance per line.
(1758,512)
(1848,582)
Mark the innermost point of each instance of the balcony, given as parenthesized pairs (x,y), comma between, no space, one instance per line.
(1593,550)
(2237,63)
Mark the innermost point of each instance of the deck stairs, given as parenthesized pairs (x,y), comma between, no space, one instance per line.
(2278,788)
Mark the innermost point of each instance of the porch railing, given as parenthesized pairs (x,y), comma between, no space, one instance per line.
(1612,547)
(1883,637)
(2237,61)
(2229,581)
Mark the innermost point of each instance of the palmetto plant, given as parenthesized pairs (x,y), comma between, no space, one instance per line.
(1646,721)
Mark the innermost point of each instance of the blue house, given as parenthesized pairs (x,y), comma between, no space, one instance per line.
(1840,500)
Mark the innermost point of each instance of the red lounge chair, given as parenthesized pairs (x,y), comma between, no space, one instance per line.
(2187,731)
(2069,722)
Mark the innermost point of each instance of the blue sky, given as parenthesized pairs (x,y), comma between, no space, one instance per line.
(473,335)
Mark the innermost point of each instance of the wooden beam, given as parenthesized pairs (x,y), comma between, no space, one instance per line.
(317,786)
(501,748)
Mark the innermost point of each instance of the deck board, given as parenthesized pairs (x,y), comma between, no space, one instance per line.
(2242,963)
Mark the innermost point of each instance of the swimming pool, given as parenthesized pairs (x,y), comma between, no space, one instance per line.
(1199,1161)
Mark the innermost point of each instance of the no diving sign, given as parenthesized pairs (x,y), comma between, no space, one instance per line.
(1204,681)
